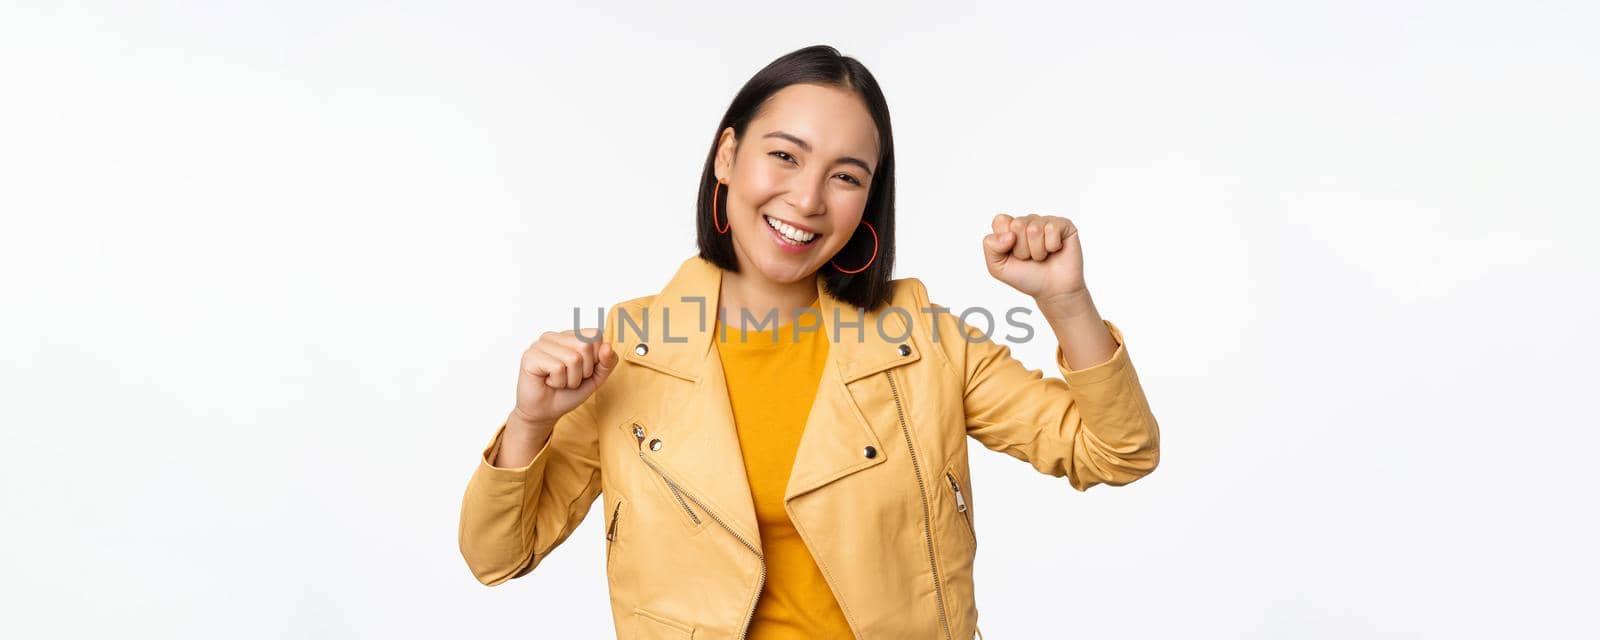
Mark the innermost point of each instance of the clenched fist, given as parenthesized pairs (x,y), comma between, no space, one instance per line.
(559,372)
(1037,255)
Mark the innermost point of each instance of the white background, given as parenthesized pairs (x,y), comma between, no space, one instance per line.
(267,269)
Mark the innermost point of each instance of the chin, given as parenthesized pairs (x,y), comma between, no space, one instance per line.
(784,269)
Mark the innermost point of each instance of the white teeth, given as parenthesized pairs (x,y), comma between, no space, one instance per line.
(788,231)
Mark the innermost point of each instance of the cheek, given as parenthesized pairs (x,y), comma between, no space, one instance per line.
(760,183)
(848,207)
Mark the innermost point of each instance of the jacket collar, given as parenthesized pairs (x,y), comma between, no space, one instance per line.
(702,451)
(681,324)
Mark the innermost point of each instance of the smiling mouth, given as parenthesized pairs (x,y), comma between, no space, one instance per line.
(789,232)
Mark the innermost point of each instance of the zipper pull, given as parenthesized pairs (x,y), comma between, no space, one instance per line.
(638,434)
(961,501)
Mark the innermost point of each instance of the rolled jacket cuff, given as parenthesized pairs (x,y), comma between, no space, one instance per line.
(1116,364)
(510,474)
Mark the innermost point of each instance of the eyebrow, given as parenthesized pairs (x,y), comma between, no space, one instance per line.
(807,147)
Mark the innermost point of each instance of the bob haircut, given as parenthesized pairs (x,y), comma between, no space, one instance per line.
(820,65)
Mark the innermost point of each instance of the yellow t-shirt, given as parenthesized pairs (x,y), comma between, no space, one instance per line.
(771,385)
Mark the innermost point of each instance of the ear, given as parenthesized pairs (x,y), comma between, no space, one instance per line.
(727,146)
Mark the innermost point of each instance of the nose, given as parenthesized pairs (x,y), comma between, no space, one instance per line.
(805,194)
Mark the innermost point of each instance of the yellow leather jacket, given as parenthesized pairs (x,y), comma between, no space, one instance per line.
(880,490)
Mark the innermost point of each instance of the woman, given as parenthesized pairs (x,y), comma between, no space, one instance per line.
(793,464)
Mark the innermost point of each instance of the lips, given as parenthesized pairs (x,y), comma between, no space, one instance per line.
(793,233)
(792,224)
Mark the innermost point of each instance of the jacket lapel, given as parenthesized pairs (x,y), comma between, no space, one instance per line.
(837,434)
(700,441)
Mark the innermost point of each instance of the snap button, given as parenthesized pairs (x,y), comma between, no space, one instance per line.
(905,349)
(870,452)
(642,349)
(655,444)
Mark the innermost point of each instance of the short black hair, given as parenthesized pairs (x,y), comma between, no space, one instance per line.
(819,65)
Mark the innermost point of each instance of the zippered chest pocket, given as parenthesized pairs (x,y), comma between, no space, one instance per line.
(678,501)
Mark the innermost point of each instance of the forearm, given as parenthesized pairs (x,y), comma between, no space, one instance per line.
(1079,330)
(522,440)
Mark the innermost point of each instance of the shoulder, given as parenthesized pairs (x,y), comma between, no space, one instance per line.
(912,295)
(639,302)
(934,322)
(909,297)
(631,308)
(908,291)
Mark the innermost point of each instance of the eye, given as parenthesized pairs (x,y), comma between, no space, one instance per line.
(850,179)
(782,155)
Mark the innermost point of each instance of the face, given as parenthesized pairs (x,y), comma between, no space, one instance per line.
(797,183)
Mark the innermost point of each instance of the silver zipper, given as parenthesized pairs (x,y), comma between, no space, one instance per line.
(922,492)
(961,504)
(638,433)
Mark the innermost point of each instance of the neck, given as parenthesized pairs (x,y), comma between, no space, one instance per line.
(752,292)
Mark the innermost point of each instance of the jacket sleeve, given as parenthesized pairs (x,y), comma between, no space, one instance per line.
(511,518)
(1093,425)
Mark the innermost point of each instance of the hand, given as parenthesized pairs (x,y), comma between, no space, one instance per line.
(1037,255)
(558,373)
